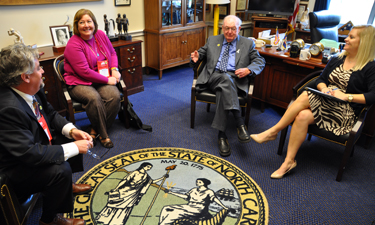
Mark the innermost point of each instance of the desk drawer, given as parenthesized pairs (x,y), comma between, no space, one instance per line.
(130,56)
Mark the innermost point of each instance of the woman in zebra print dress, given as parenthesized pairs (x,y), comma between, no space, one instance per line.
(350,77)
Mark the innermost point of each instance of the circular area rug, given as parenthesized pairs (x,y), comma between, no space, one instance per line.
(170,186)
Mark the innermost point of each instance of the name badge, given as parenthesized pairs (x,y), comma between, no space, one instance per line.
(103,68)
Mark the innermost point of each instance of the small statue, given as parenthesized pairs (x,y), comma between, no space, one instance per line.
(125,23)
(19,38)
(106,28)
(119,25)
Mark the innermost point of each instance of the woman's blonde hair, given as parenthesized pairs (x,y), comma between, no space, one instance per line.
(366,48)
(79,14)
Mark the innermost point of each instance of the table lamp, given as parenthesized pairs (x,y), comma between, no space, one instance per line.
(216,12)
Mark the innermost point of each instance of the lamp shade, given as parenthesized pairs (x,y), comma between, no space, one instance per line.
(219,2)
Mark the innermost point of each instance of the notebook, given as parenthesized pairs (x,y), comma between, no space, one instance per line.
(324,95)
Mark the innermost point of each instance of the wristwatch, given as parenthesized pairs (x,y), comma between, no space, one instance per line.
(115,68)
(350,98)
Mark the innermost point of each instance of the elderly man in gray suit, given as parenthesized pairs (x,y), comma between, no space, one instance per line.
(231,61)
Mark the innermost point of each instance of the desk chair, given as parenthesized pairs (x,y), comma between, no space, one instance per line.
(72,106)
(347,140)
(14,211)
(209,97)
(324,24)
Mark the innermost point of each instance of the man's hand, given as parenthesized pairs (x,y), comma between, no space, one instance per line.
(243,72)
(80,135)
(116,74)
(84,145)
(194,56)
(112,81)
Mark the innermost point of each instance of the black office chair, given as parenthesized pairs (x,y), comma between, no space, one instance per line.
(15,212)
(73,106)
(324,24)
(347,140)
(209,97)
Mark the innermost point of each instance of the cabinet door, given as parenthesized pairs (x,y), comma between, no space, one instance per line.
(172,48)
(194,11)
(171,12)
(281,80)
(194,39)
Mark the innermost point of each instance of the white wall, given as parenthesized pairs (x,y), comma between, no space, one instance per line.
(33,21)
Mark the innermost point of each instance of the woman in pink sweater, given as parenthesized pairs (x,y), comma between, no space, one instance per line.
(91,74)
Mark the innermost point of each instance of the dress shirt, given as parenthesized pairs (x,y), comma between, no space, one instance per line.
(70,149)
(232,55)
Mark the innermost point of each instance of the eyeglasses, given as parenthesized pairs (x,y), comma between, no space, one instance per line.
(230,28)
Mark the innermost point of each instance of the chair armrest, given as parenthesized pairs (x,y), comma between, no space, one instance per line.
(198,67)
(308,81)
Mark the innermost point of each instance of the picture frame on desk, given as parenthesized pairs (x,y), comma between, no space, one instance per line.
(122,2)
(60,37)
(241,5)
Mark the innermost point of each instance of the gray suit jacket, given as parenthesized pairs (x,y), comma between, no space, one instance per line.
(246,57)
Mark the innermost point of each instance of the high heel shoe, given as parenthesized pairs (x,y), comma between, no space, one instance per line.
(258,140)
(279,176)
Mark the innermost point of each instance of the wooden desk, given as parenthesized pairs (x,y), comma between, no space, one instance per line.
(129,55)
(274,85)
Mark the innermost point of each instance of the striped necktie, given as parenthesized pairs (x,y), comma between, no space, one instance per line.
(224,59)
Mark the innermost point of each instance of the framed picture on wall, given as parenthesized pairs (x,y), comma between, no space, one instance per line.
(224,10)
(241,5)
(122,2)
(60,35)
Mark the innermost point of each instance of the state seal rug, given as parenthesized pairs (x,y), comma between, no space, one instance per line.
(160,186)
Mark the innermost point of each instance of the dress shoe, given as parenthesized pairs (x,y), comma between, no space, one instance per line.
(60,220)
(260,141)
(224,148)
(243,135)
(81,188)
(279,176)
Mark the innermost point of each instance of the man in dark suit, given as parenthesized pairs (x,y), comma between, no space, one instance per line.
(31,133)
(231,61)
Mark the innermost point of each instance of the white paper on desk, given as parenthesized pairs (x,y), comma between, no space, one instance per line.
(260,34)
(266,33)
(281,36)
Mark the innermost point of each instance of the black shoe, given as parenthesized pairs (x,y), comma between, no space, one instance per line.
(224,148)
(243,135)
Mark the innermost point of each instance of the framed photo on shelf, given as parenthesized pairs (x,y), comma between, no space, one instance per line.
(122,2)
(302,8)
(224,10)
(241,5)
(60,35)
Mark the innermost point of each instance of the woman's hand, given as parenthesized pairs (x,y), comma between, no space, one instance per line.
(339,94)
(112,81)
(116,74)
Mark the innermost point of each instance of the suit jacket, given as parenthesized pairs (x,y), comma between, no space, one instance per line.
(246,57)
(23,142)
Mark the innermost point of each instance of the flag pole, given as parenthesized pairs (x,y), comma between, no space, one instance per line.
(169,168)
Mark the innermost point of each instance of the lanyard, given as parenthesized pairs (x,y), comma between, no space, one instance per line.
(96,54)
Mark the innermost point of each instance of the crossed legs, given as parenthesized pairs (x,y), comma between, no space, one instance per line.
(300,113)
